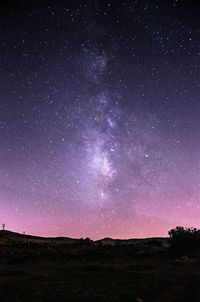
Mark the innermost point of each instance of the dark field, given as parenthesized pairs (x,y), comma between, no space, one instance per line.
(61,269)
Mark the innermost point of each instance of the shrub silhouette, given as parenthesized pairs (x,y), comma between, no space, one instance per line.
(184,241)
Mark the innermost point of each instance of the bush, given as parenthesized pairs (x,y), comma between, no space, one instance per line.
(154,243)
(184,241)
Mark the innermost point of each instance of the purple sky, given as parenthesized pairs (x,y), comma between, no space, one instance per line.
(99,117)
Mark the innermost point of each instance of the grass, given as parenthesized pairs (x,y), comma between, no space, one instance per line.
(85,273)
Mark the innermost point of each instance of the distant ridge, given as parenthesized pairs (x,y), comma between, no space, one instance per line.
(9,236)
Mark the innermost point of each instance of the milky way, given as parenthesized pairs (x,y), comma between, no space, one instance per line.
(99,119)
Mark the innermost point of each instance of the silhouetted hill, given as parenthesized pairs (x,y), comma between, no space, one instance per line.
(108,270)
(9,236)
(132,241)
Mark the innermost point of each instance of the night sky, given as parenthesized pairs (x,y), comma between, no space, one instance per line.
(99,117)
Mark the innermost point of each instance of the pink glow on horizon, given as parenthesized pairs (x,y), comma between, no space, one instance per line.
(139,227)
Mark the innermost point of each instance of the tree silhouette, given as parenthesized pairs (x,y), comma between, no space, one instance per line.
(184,241)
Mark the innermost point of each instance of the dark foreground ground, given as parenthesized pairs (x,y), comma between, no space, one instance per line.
(56,270)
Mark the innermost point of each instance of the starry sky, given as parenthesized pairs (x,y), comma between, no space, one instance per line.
(99,117)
